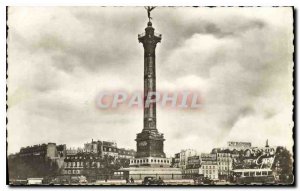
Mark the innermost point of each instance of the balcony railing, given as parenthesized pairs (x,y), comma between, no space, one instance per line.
(143,34)
(157,34)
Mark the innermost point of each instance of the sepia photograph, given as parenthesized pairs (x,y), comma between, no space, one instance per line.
(150,96)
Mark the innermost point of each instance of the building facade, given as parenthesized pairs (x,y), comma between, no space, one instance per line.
(193,167)
(176,160)
(183,157)
(209,169)
(238,145)
(104,148)
(224,160)
(81,163)
(94,156)
(48,151)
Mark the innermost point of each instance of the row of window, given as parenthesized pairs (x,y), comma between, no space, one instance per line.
(224,163)
(109,149)
(223,154)
(224,159)
(91,157)
(207,172)
(80,164)
(72,171)
(211,176)
(209,166)
(34,154)
(223,168)
(257,173)
(34,149)
(125,156)
(224,172)
(104,150)
(82,157)
(152,160)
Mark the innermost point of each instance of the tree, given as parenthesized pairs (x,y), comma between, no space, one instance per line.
(31,166)
(283,165)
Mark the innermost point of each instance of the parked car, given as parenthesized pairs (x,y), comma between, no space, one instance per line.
(82,180)
(209,181)
(150,180)
(34,181)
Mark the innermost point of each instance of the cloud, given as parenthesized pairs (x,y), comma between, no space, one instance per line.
(239,59)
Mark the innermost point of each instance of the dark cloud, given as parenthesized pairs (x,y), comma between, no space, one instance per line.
(228,27)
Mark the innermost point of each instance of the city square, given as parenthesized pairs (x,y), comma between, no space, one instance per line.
(238,136)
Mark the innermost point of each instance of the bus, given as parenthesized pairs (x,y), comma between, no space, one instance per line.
(253,176)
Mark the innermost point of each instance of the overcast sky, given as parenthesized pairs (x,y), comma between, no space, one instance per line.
(239,59)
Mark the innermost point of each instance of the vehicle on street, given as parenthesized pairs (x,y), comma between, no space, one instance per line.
(208,181)
(34,181)
(150,180)
(82,180)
